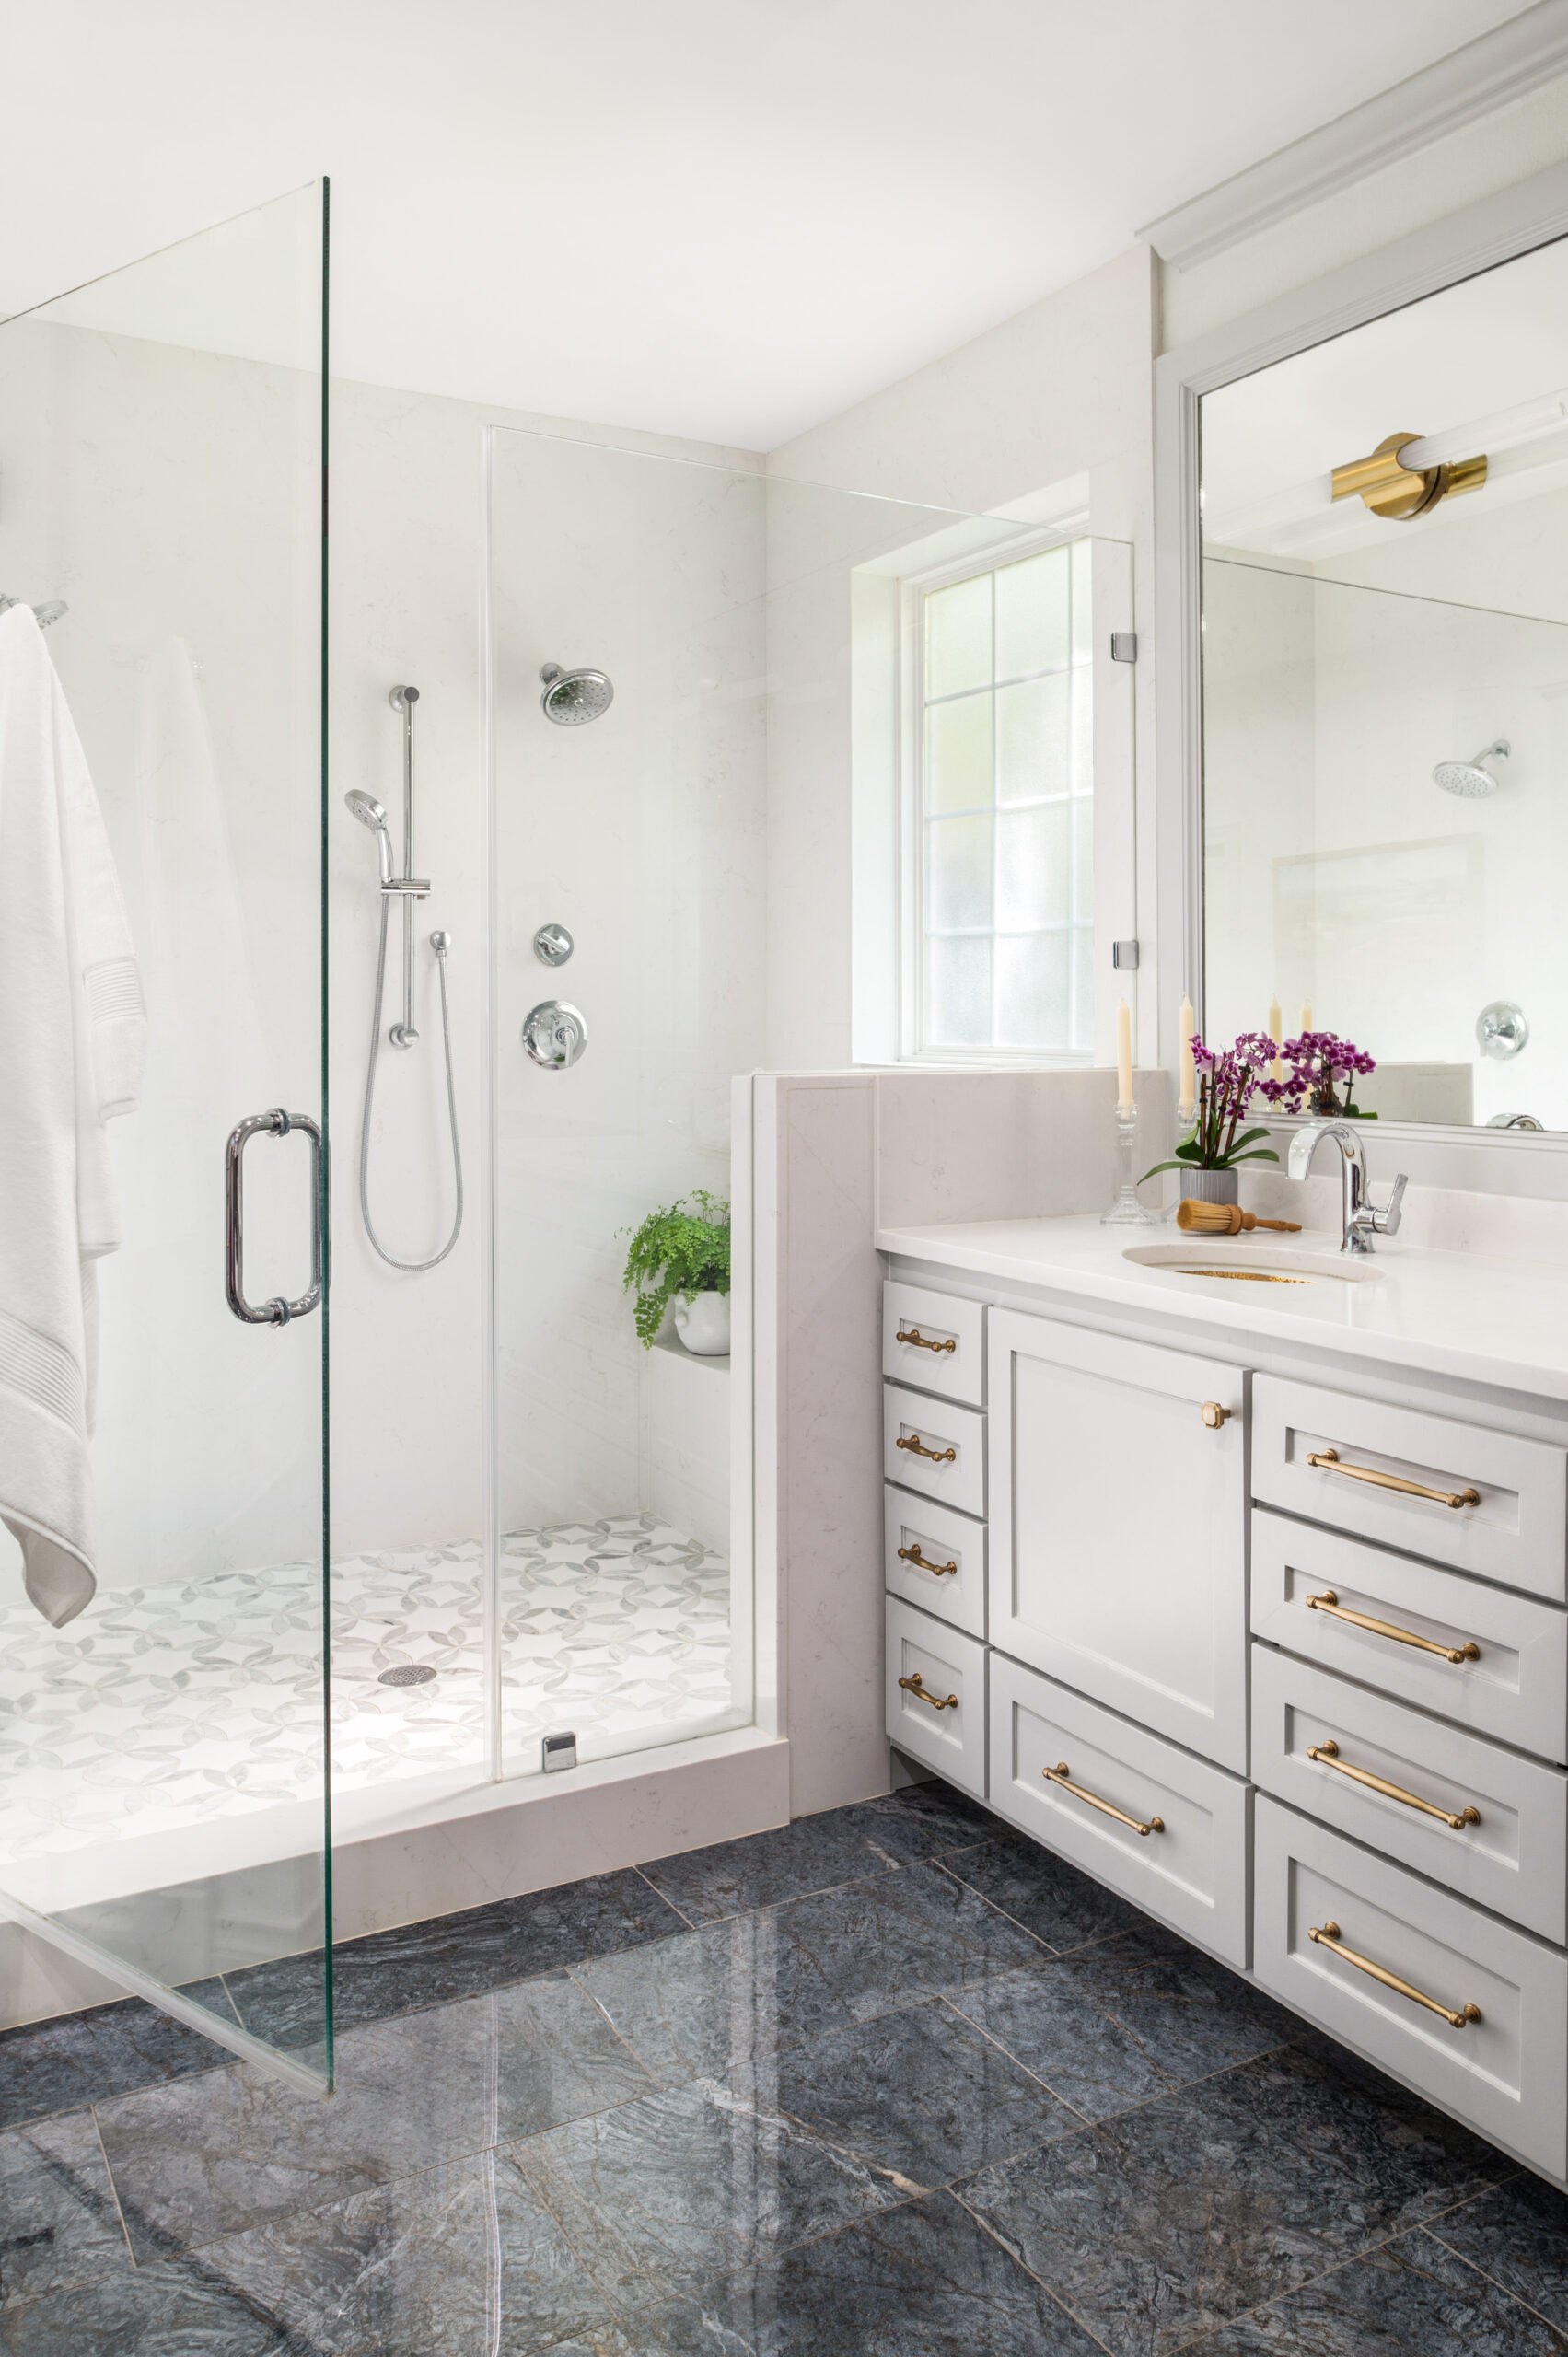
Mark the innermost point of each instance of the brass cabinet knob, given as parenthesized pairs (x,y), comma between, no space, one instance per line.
(1214,1415)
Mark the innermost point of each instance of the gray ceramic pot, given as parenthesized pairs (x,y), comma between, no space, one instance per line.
(1212,1185)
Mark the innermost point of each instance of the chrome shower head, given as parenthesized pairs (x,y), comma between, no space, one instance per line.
(370,813)
(1472,778)
(572,698)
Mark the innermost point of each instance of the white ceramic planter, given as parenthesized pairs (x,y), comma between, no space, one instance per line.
(703,1324)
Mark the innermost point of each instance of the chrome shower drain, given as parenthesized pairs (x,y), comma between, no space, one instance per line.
(407,1673)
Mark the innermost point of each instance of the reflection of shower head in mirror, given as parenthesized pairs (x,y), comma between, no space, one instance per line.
(1472,778)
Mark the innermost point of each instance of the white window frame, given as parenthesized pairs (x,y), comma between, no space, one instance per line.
(1014,548)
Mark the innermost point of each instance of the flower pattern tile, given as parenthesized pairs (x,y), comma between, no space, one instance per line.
(165,1705)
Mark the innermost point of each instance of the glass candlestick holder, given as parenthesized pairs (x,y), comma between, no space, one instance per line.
(1126,1211)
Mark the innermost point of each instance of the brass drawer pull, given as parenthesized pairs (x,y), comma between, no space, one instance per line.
(1330,1602)
(918,1339)
(913,1686)
(1058,1776)
(914,1555)
(1214,1415)
(1328,1755)
(1327,1461)
(1328,1936)
(917,1448)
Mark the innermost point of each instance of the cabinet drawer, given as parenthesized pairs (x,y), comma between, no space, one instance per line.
(1510,1679)
(934,1447)
(1506,2073)
(936,1559)
(1512,1857)
(1514,1531)
(1191,1871)
(937,1340)
(939,1714)
(1118,1558)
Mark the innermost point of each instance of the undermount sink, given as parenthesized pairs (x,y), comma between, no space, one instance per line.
(1242,1262)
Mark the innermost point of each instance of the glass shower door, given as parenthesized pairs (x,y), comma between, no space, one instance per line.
(164,1747)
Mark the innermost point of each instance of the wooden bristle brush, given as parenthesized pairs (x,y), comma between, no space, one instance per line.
(1226,1219)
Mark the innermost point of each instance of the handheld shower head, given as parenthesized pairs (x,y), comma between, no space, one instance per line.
(370,813)
(572,698)
(1472,778)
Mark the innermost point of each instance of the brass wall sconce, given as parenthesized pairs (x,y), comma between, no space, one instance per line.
(1399,494)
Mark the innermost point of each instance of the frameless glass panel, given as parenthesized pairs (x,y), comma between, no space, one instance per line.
(163,1664)
(1033,738)
(1033,622)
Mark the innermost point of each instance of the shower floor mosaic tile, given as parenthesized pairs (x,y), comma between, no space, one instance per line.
(888,2081)
(164,1704)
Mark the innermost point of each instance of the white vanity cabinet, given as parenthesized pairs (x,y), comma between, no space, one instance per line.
(1282,1661)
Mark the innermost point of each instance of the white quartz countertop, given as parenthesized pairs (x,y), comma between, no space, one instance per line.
(1492,1321)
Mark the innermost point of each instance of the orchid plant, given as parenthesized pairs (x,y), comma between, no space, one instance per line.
(1312,1071)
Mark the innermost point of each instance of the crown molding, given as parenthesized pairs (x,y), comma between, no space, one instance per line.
(1508,63)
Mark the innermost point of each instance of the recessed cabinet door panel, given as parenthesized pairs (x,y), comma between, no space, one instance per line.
(1396,1779)
(1505,2073)
(1074,1775)
(1119,1525)
(1486,1502)
(935,1695)
(1495,1662)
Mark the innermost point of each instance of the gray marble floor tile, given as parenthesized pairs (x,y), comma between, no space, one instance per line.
(1170,2220)
(462,2261)
(711,2001)
(1129,2018)
(1042,1892)
(918,2093)
(814,1853)
(172,2309)
(80,2058)
(1518,2234)
(1412,2298)
(195,2162)
(923,2281)
(894,1938)
(454,1956)
(663,2195)
(59,2225)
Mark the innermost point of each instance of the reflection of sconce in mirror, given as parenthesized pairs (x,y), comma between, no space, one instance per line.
(1399,494)
(1515,1121)
(1501,1029)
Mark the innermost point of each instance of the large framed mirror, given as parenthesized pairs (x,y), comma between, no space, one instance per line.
(1384,698)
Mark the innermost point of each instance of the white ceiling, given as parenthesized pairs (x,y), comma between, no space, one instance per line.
(722,218)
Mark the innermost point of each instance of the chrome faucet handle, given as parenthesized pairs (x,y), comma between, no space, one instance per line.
(1367,1220)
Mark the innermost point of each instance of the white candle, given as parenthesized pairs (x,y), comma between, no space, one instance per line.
(1276,1033)
(1123,1058)
(1185,1109)
(1306,1016)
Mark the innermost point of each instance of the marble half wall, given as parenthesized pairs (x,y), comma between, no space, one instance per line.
(836,1155)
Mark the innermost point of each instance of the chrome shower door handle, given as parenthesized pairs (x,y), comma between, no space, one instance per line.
(276,1312)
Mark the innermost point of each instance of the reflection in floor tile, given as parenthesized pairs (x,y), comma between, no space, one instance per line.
(59,2225)
(1132,2017)
(1410,2299)
(661,2196)
(168,1705)
(1042,1892)
(1171,2219)
(212,2156)
(455,1956)
(179,2309)
(814,1854)
(462,2261)
(923,2281)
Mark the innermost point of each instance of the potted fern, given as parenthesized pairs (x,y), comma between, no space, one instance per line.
(681,1254)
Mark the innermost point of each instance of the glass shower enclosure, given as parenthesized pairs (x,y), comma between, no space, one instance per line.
(162,438)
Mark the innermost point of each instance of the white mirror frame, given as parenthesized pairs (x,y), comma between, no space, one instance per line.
(1499,227)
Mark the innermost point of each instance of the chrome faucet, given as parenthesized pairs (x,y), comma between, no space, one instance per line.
(1362,1221)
